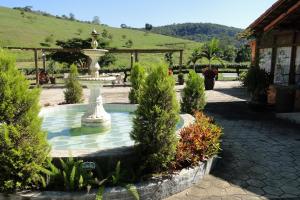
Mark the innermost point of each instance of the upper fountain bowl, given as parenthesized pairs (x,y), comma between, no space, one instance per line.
(94,52)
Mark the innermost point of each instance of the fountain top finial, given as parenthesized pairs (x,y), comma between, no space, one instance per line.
(94,43)
(94,33)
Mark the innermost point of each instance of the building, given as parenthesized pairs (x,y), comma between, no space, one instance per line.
(276,47)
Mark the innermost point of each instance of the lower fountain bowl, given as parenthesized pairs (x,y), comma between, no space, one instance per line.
(103,123)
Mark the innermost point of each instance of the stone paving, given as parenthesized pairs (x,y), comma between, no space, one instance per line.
(260,157)
(224,92)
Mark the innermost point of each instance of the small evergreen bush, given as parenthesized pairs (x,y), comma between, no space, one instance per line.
(198,142)
(137,78)
(73,93)
(193,97)
(23,145)
(155,121)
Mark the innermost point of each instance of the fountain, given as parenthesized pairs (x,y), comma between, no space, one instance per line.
(95,116)
(92,129)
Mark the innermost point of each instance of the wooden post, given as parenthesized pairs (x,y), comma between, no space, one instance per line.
(273,60)
(131,60)
(37,81)
(136,56)
(256,60)
(292,74)
(44,60)
(180,59)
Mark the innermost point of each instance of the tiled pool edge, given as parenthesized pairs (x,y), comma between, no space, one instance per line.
(152,190)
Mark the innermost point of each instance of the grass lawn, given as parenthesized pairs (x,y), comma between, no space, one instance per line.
(29,30)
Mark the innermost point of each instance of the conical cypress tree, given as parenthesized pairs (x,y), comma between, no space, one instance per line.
(73,92)
(137,78)
(23,145)
(193,96)
(155,121)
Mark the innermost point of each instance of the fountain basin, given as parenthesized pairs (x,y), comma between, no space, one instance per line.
(69,138)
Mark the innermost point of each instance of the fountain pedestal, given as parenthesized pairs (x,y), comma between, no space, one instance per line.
(95,116)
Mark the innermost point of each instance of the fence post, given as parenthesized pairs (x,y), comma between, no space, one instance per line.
(131,60)
(136,56)
(238,71)
(37,81)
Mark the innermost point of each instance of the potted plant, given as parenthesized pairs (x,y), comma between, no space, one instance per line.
(180,78)
(211,52)
(52,70)
(257,82)
(209,78)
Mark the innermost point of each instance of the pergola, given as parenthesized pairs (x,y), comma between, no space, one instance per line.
(134,54)
(276,49)
(278,30)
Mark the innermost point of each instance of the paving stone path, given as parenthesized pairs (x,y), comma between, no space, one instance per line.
(225,91)
(260,158)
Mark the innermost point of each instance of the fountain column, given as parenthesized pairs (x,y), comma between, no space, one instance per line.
(95,115)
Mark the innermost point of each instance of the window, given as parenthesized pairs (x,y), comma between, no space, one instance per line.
(282,67)
(265,59)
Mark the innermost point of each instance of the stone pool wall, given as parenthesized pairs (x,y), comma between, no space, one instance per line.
(150,190)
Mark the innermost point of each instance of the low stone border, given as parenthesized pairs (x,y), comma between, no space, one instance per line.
(150,190)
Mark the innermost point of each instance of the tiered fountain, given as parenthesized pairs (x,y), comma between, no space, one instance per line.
(92,129)
(95,115)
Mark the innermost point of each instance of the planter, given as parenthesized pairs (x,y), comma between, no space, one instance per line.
(52,80)
(153,189)
(285,98)
(209,83)
(272,95)
(180,79)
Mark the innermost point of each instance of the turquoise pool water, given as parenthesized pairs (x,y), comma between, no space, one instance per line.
(63,124)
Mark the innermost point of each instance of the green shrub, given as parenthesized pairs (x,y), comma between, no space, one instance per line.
(73,93)
(155,121)
(23,145)
(70,176)
(256,81)
(193,96)
(198,142)
(137,78)
(115,179)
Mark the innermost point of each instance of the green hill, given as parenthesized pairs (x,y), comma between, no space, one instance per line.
(28,29)
(200,32)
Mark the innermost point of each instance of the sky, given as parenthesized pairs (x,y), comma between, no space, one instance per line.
(135,13)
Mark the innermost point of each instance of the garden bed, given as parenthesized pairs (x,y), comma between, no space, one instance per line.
(153,189)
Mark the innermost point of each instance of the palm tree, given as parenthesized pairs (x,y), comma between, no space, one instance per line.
(211,51)
(195,56)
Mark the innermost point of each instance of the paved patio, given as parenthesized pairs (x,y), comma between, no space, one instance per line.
(224,92)
(260,157)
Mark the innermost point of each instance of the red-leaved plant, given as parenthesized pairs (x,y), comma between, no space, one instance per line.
(199,141)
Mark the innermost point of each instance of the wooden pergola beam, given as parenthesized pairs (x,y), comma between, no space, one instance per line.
(111,50)
(282,17)
(266,13)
